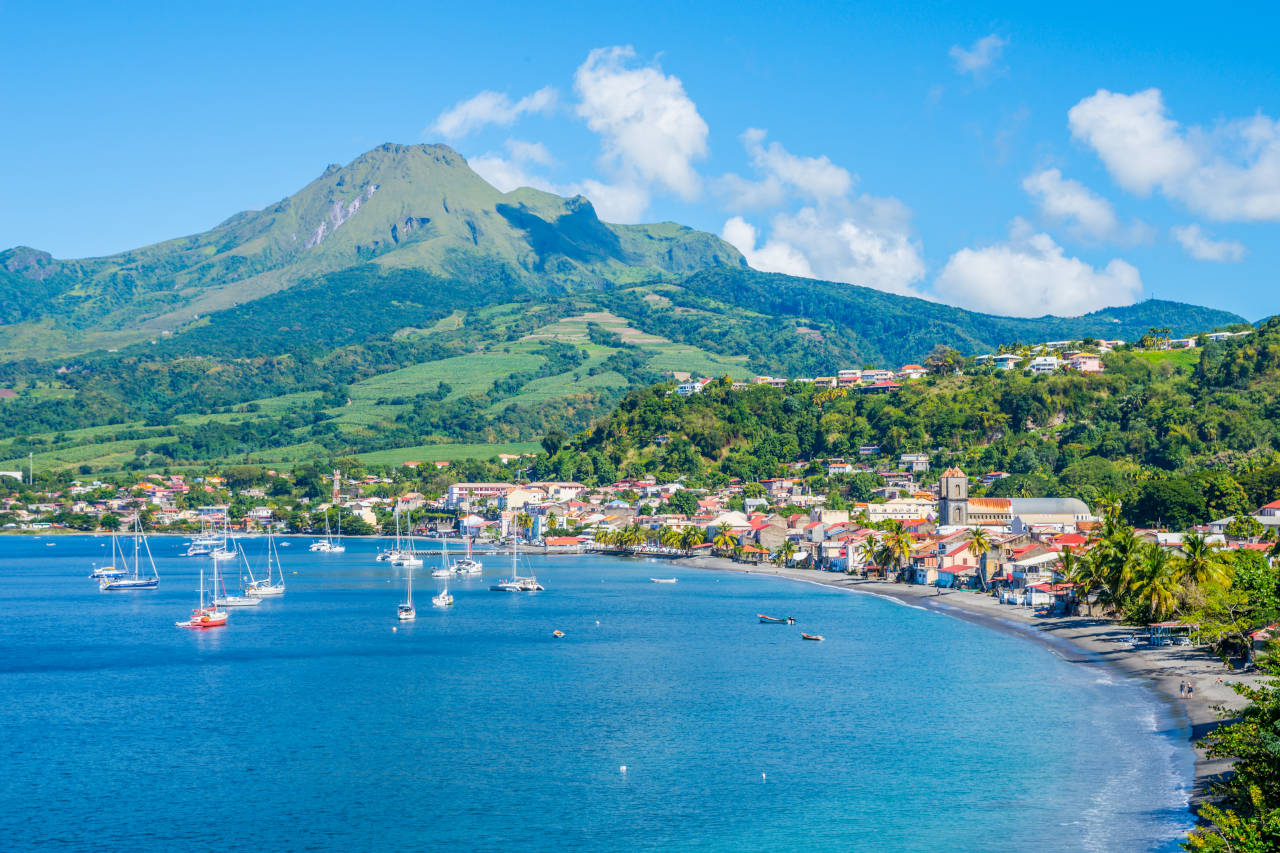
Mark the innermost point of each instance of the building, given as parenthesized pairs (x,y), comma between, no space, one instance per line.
(1045,364)
(916,463)
(953,498)
(911,371)
(693,386)
(460,494)
(1085,363)
(1008,361)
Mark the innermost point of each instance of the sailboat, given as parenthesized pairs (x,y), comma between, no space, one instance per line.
(444,599)
(468,566)
(204,617)
(327,545)
(131,577)
(203,543)
(220,582)
(405,612)
(517,583)
(445,569)
(266,587)
(405,556)
(390,554)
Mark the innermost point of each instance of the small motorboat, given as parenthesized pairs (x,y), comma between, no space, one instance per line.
(817,638)
(557,634)
(663,580)
(776,620)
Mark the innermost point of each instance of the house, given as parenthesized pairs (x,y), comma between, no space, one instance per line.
(839,467)
(846,378)
(1182,343)
(771,381)
(911,371)
(1045,364)
(916,463)
(1085,363)
(693,386)
(1008,361)
(881,387)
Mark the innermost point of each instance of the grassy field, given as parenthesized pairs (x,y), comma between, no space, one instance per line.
(446,452)
(1186,359)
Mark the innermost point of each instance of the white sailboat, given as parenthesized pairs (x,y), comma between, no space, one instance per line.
(327,545)
(444,598)
(405,612)
(516,583)
(445,569)
(468,566)
(220,583)
(131,577)
(267,586)
(405,556)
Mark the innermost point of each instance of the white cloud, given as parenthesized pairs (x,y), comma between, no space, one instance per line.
(784,174)
(513,171)
(1088,215)
(1230,172)
(651,130)
(490,108)
(1030,275)
(1202,247)
(865,241)
(530,152)
(621,202)
(984,52)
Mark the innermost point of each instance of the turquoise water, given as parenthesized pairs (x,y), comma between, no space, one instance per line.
(308,723)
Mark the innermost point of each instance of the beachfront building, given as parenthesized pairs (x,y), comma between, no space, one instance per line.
(466,494)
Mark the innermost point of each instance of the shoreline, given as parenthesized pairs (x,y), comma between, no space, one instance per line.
(1089,641)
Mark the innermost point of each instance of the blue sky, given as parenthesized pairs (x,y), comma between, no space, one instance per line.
(992,156)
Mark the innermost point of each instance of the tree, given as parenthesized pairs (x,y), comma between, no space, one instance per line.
(725,540)
(668,536)
(109,522)
(1201,562)
(1244,527)
(553,441)
(1156,583)
(524,521)
(980,546)
(786,551)
(1248,818)
(691,537)
(684,502)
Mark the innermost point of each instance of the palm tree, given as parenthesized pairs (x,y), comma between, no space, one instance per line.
(725,540)
(524,521)
(691,538)
(552,522)
(869,552)
(668,536)
(898,544)
(1156,581)
(1201,563)
(979,546)
(606,537)
(633,535)
(1082,573)
(785,552)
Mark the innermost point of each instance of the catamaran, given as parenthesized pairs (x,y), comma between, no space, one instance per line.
(203,543)
(266,586)
(220,582)
(516,583)
(204,617)
(444,599)
(131,577)
(445,569)
(468,566)
(405,612)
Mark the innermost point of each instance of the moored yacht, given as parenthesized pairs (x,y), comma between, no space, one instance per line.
(204,617)
(131,577)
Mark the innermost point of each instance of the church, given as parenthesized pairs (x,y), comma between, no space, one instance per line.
(1019,515)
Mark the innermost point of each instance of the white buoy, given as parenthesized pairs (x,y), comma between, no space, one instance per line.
(394,629)
(597,621)
(622,769)
(763,778)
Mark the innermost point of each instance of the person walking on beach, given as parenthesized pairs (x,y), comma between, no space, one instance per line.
(1182,688)
(1191,690)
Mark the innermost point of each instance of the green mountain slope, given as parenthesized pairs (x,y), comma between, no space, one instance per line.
(400,207)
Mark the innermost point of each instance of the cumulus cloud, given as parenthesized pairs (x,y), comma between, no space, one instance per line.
(866,241)
(1202,247)
(1086,213)
(490,107)
(980,56)
(1030,275)
(650,129)
(620,202)
(1230,172)
(513,170)
(782,175)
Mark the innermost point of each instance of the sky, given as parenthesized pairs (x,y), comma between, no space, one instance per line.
(1003,158)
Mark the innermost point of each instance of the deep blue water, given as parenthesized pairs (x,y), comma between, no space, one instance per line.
(309,724)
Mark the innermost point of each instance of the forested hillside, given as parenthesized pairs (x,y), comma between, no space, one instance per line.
(1177,443)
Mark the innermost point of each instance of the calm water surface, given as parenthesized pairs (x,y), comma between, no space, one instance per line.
(309,723)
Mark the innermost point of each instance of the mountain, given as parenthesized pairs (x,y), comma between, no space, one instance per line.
(402,302)
(398,207)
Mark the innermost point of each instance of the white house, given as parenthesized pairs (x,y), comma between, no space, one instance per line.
(1045,364)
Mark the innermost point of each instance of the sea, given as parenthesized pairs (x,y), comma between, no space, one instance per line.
(667,717)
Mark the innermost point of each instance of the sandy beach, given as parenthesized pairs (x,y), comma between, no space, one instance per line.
(1091,641)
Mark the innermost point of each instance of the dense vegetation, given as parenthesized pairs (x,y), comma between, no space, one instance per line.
(1178,446)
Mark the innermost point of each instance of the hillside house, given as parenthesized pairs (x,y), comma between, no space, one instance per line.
(1045,364)
(916,463)
(1007,361)
(1085,363)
